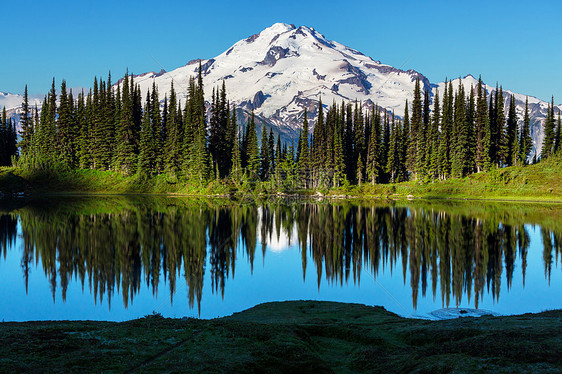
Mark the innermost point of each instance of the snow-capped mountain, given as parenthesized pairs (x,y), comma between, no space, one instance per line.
(284,69)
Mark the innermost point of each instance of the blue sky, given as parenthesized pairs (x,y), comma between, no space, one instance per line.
(513,42)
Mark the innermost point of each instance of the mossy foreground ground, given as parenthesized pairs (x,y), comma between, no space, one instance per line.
(299,336)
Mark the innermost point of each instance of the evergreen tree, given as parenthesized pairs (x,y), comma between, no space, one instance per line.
(126,134)
(433,138)
(252,149)
(359,140)
(26,125)
(144,168)
(304,154)
(84,138)
(318,147)
(339,166)
(501,136)
(511,142)
(236,170)
(348,143)
(446,132)
(549,125)
(393,165)
(230,136)
(385,144)
(482,129)
(557,140)
(172,143)
(264,155)
(461,135)
(525,140)
(65,133)
(373,157)
(218,128)
(415,133)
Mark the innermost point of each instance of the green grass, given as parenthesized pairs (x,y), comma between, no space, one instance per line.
(540,182)
(297,336)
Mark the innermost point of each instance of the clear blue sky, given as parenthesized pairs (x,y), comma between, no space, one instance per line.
(516,43)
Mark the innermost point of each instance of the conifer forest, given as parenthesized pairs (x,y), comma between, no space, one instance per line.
(112,127)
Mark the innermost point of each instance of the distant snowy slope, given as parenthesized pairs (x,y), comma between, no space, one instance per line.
(284,69)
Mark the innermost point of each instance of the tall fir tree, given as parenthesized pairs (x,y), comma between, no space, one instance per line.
(264,155)
(525,140)
(482,129)
(557,136)
(461,147)
(374,152)
(511,140)
(26,125)
(549,126)
(433,137)
(394,153)
(304,154)
(252,150)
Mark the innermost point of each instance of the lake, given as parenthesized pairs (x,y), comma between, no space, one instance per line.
(123,257)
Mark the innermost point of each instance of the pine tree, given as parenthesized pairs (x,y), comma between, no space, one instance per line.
(144,168)
(501,133)
(511,140)
(482,125)
(65,134)
(84,137)
(470,122)
(236,170)
(525,140)
(252,149)
(461,155)
(264,155)
(394,153)
(218,128)
(373,156)
(271,153)
(549,125)
(446,132)
(385,145)
(304,154)
(172,139)
(557,139)
(230,136)
(318,147)
(126,134)
(415,132)
(359,140)
(433,139)
(26,125)
(339,166)
(348,140)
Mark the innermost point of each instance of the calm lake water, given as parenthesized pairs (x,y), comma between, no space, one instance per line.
(119,258)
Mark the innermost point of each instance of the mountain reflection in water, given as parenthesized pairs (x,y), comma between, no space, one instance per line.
(121,245)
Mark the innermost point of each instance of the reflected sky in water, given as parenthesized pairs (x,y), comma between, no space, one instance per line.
(121,258)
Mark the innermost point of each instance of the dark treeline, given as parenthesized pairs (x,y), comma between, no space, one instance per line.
(464,133)
(448,253)
(113,128)
(438,138)
(8,140)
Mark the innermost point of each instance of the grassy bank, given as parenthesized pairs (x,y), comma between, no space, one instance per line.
(289,337)
(541,182)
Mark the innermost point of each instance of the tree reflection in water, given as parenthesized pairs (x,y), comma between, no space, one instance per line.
(454,250)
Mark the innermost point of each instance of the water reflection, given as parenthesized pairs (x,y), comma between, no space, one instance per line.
(119,245)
